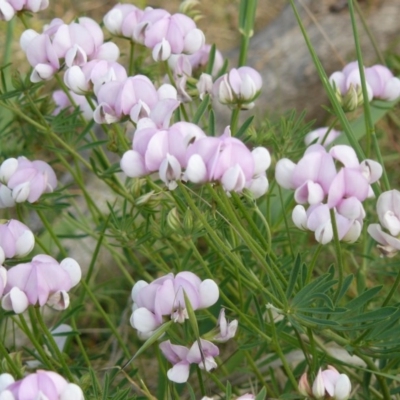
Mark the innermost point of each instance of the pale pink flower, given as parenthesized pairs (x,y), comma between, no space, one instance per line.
(238,87)
(16,240)
(384,85)
(41,281)
(317,135)
(39,385)
(330,382)
(165,297)
(30,180)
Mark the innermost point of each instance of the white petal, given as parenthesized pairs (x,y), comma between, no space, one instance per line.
(179,373)
(299,217)
(342,387)
(196,170)
(5,380)
(144,320)
(15,300)
(284,172)
(7,395)
(24,244)
(21,192)
(8,167)
(132,163)
(72,392)
(209,293)
(73,269)
(136,289)
(262,160)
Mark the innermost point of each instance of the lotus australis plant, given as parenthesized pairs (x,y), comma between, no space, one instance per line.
(146,193)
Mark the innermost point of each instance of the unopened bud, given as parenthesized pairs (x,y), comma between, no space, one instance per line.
(173,220)
(188,221)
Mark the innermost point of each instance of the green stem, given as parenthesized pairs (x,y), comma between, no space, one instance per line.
(227,300)
(52,233)
(53,345)
(329,89)
(10,362)
(45,358)
(370,128)
(247,13)
(392,290)
(107,319)
(279,351)
(313,262)
(370,34)
(234,119)
(338,251)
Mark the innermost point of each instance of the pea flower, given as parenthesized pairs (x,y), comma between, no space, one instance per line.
(122,19)
(28,180)
(6,199)
(3,280)
(238,87)
(181,357)
(347,84)
(165,297)
(384,85)
(227,330)
(39,385)
(76,44)
(8,8)
(330,383)
(168,34)
(39,282)
(318,135)
(16,240)
(388,209)
(162,150)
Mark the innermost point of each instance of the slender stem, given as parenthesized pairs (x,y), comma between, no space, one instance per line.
(52,233)
(259,376)
(234,119)
(367,109)
(392,290)
(338,251)
(36,344)
(9,361)
(368,31)
(313,262)
(53,344)
(279,351)
(286,222)
(106,319)
(329,89)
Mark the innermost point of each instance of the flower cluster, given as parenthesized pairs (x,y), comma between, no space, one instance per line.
(380,84)
(317,182)
(185,147)
(16,240)
(329,384)
(39,385)
(388,209)
(24,180)
(73,44)
(165,297)
(8,8)
(157,29)
(39,282)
